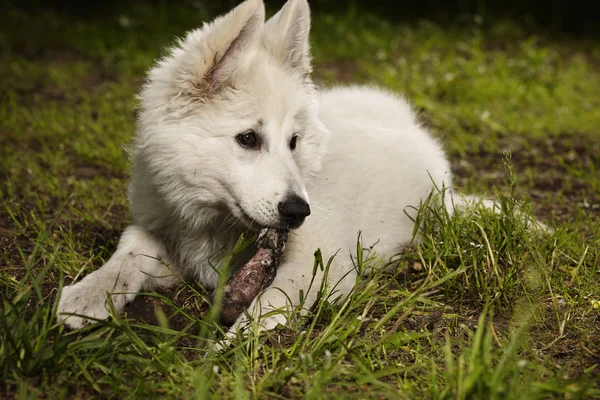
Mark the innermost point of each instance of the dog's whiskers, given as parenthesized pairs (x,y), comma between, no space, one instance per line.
(226,220)
(234,220)
(314,203)
(316,213)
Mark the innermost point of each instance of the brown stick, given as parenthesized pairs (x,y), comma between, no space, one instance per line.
(257,274)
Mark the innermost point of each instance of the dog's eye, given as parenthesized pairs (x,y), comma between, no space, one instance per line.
(248,140)
(293,142)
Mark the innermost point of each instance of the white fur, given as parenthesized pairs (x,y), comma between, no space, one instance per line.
(362,160)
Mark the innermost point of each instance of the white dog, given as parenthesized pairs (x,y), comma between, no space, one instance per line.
(233,136)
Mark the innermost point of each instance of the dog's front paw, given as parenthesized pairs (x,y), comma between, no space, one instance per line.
(243,327)
(85,300)
(262,318)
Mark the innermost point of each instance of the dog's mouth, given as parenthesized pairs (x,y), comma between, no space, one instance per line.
(294,225)
(252,223)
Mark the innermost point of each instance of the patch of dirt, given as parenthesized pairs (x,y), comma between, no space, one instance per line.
(572,348)
(87,171)
(10,258)
(95,236)
(554,164)
(190,298)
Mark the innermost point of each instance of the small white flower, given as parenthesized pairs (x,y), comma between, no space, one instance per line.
(584,204)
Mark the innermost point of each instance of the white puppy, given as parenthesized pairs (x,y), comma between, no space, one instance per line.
(233,136)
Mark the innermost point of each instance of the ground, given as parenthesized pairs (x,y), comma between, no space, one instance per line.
(483,308)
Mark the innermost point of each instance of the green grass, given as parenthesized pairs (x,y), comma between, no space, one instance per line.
(482,308)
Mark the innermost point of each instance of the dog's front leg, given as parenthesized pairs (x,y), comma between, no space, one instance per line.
(139,263)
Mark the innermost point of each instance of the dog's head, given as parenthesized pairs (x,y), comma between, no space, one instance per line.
(229,119)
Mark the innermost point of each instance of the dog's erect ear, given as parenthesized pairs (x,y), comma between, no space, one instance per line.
(233,35)
(286,35)
(208,57)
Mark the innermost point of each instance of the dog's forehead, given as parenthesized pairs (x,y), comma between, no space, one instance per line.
(281,97)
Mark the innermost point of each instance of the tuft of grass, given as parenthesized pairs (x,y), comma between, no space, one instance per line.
(499,250)
(480,307)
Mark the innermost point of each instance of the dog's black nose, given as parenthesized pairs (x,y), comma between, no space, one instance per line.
(293,210)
